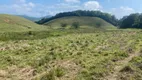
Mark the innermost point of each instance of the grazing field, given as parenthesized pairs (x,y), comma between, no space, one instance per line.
(72,55)
(84,22)
(11,23)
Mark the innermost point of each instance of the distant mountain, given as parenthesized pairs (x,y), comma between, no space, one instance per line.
(30,18)
(34,18)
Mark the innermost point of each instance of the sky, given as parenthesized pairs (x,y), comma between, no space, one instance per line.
(40,8)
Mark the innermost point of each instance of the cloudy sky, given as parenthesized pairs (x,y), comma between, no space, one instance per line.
(39,8)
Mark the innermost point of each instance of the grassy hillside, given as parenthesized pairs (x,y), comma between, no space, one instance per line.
(84,22)
(11,23)
(76,56)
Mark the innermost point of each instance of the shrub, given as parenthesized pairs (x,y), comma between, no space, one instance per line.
(75,25)
(63,25)
(98,24)
(59,72)
(127,69)
(30,32)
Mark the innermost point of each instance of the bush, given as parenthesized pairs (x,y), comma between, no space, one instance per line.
(63,25)
(98,24)
(75,25)
(59,72)
(127,69)
(30,33)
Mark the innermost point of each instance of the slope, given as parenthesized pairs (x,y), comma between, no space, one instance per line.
(84,22)
(10,23)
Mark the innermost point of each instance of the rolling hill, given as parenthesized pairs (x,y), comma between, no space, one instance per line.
(84,22)
(83,13)
(11,23)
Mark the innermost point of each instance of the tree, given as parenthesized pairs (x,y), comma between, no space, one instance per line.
(63,25)
(75,25)
(98,24)
(131,21)
(136,23)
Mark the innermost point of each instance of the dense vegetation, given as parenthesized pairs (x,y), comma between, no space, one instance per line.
(131,21)
(105,16)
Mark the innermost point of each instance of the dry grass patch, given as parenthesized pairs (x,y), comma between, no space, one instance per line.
(15,73)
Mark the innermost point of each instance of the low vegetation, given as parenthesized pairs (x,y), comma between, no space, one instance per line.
(75,25)
(63,25)
(10,23)
(77,55)
(78,45)
(82,22)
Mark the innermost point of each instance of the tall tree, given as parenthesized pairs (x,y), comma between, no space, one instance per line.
(131,21)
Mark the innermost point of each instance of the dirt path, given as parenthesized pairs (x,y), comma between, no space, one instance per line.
(120,65)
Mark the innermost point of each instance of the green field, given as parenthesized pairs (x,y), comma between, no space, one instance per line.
(71,55)
(84,22)
(96,50)
(10,23)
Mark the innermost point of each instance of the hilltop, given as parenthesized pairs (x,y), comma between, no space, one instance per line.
(79,13)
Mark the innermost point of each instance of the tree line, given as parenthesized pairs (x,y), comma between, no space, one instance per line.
(131,21)
(105,16)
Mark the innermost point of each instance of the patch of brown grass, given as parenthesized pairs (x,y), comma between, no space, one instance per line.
(16,73)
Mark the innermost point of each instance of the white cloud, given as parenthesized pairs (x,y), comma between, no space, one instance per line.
(126,9)
(92,5)
(122,11)
(23,7)
(19,7)
(63,7)
(72,1)
(31,4)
